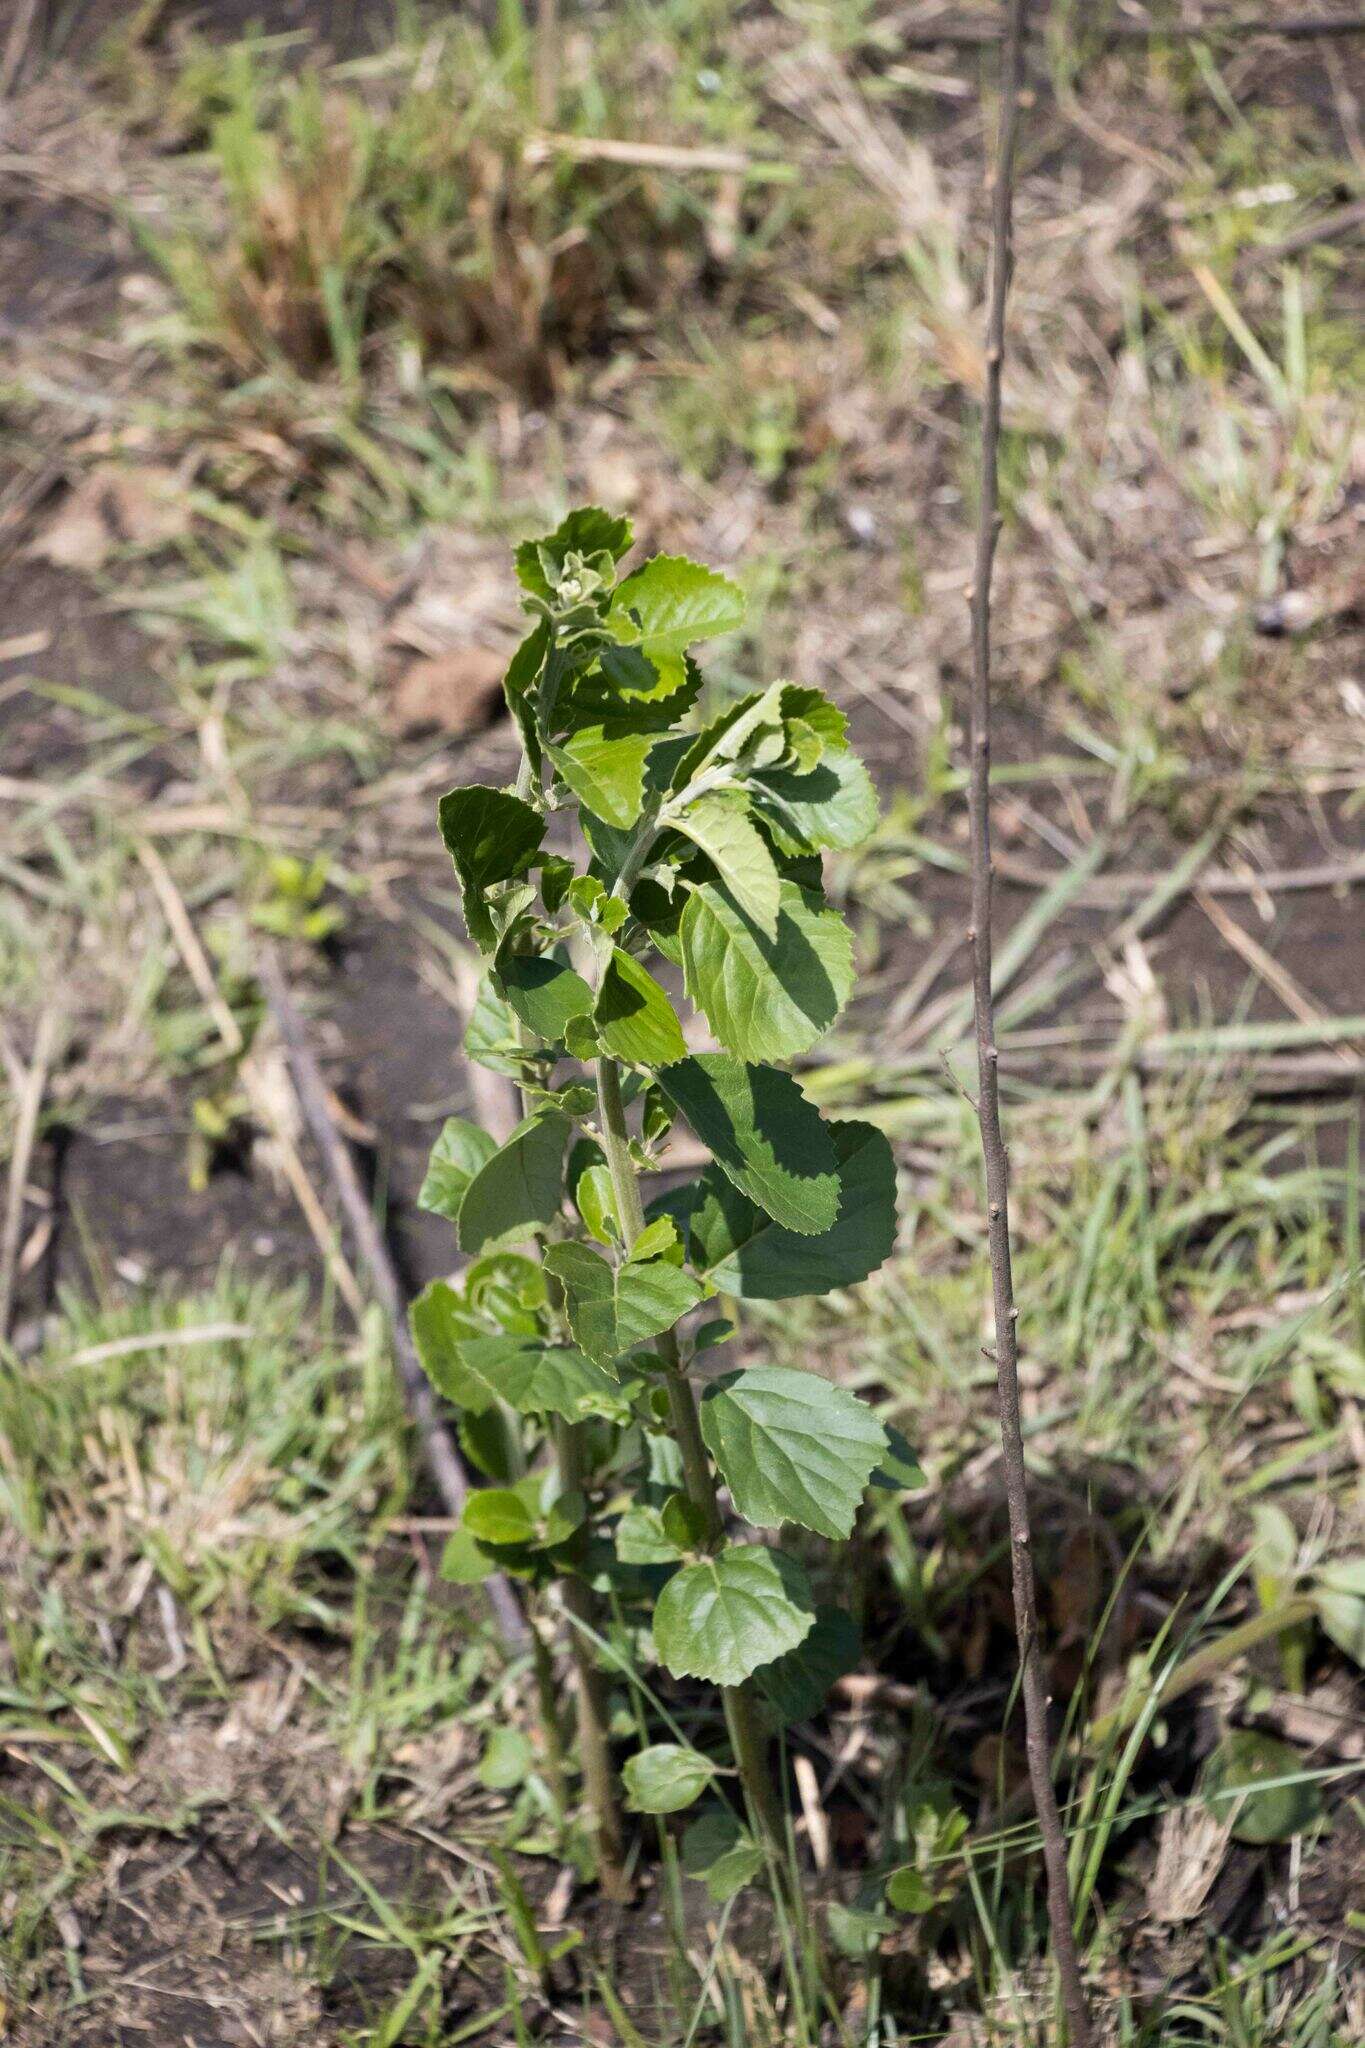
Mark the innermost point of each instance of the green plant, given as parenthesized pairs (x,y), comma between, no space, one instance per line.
(295,905)
(701,843)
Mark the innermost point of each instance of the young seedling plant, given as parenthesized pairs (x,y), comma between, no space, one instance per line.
(646,839)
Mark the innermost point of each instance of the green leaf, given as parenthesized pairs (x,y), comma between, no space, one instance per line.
(743,1252)
(633,1017)
(587,530)
(474,1370)
(519,1188)
(910,1891)
(492,837)
(667,605)
(722,1854)
(490,1037)
(856,1930)
(531,1376)
(509,1288)
(544,992)
(596,1202)
(813,713)
(529,1516)
(463,1561)
(611,1310)
(797,1684)
(499,1514)
(456,1157)
(722,1618)
(834,805)
(666,1778)
(1339,1595)
(791,1447)
(1231,1783)
(641,1537)
(720,825)
(684,1523)
(490,1444)
(518,686)
(767,998)
(440,1322)
(506,1760)
(556,879)
(604,766)
(763,1134)
(900,1470)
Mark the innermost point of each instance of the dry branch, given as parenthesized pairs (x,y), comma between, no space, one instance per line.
(988,1096)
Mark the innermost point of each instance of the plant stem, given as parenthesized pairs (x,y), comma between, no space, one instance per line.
(988,1102)
(741,1707)
(550,1729)
(590,1686)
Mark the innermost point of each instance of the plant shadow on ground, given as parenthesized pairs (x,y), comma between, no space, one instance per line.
(255,1765)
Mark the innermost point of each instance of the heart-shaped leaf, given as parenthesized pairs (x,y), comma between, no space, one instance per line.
(727,1615)
(791,1447)
(1261,1786)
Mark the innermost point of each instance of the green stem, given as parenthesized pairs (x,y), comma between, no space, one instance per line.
(550,1729)
(741,1706)
(590,1686)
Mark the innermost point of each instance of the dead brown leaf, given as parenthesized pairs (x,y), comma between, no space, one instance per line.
(112,507)
(454,693)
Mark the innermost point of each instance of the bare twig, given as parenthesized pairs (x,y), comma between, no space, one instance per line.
(28,1108)
(443,1460)
(988,1105)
